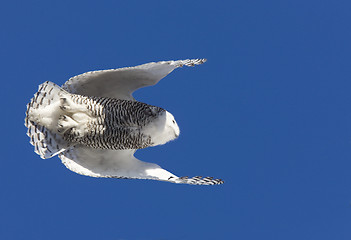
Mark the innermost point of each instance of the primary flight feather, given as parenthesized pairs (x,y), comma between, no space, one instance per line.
(94,125)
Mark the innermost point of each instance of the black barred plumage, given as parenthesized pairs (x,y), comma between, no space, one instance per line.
(115,124)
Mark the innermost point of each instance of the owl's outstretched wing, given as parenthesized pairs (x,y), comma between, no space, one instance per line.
(122,82)
(121,164)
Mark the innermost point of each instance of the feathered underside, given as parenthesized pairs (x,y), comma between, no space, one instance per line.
(97,134)
(109,123)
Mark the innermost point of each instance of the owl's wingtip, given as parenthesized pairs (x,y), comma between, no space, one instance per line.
(199,180)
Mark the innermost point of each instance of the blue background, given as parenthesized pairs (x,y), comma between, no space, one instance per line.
(269,113)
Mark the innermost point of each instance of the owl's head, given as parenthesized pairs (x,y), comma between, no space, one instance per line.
(163,129)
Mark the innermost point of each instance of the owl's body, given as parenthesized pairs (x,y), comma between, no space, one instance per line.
(113,123)
(95,131)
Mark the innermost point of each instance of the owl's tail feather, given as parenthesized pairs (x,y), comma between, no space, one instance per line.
(42,116)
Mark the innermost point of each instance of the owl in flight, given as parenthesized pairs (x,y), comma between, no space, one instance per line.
(94,125)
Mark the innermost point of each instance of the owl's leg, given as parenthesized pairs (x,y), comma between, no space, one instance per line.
(64,123)
(74,117)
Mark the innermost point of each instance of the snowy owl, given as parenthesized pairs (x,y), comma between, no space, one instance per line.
(94,124)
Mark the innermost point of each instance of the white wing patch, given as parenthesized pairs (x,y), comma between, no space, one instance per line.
(121,164)
(120,83)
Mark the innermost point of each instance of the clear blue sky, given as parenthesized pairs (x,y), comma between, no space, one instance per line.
(270,113)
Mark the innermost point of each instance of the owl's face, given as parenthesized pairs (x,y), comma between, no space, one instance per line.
(163,129)
(171,126)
